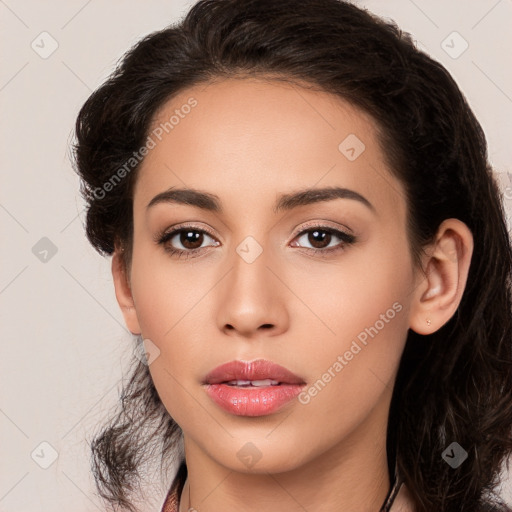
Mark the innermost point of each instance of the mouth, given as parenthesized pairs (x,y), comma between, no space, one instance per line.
(247,374)
(255,388)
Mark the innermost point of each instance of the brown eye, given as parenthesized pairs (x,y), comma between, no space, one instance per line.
(184,241)
(190,239)
(320,239)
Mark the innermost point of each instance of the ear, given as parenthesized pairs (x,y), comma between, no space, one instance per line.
(445,271)
(123,292)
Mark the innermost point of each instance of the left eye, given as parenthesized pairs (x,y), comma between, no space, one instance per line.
(320,238)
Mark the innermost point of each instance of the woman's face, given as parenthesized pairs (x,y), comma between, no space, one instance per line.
(330,304)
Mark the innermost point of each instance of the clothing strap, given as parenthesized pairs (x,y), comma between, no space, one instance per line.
(393,491)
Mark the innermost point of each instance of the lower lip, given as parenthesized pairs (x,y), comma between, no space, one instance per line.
(252,401)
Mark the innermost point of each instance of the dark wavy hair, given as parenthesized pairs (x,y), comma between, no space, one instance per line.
(452,385)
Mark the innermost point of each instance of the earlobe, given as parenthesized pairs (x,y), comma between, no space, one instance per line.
(446,267)
(123,292)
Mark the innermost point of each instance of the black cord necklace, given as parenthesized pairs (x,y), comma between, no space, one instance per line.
(390,499)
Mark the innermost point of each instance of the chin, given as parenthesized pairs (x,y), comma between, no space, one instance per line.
(258,457)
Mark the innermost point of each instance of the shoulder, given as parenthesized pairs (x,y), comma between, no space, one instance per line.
(171,501)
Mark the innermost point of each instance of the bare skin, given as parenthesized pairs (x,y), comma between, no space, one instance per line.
(248,142)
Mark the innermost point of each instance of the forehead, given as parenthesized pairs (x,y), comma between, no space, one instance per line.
(249,138)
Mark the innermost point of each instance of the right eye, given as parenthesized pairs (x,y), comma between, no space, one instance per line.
(190,238)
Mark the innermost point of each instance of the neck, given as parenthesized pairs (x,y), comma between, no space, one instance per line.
(352,475)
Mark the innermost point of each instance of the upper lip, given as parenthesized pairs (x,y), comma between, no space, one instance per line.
(259,369)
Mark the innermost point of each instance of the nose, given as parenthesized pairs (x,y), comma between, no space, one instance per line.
(252,298)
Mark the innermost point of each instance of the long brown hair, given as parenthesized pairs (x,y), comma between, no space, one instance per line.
(452,386)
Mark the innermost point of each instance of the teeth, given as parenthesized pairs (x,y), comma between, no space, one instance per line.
(256,383)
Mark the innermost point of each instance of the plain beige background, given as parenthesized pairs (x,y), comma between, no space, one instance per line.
(64,344)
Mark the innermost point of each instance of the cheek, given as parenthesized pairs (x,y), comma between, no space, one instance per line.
(361,357)
(165,291)
(170,301)
(353,374)
(362,308)
(367,289)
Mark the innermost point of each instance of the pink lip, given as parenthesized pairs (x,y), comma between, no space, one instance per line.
(252,401)
(259,369)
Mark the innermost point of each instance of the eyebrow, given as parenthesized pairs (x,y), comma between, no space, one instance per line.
(211,202)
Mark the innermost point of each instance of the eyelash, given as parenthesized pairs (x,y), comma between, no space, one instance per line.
(165,236)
